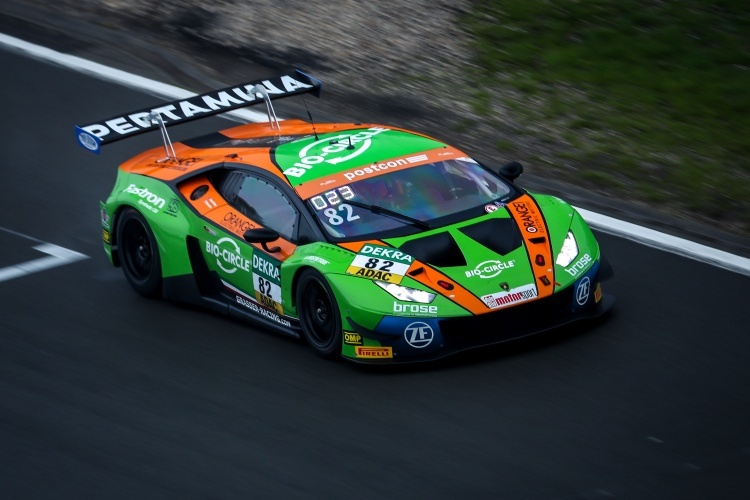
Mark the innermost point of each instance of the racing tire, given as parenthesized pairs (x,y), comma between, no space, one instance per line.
(319,314)
(139,254)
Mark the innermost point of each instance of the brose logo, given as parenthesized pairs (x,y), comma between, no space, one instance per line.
(579,265)
(147,199)
(352,145)
(415,309)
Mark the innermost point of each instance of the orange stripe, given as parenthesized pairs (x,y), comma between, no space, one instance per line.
(528,216)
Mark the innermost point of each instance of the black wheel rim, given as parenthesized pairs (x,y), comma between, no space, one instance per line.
(319,314)
(137,251)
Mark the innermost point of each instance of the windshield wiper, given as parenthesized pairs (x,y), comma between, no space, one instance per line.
(390,213)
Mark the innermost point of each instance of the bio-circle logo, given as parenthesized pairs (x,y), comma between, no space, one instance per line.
(334,150)
(418,334)
(228,256)
(582,293)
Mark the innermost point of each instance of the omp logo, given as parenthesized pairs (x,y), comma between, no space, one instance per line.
(490,268)
(352,338)
(333,150)
(228,257)
(418,334)
(147,198)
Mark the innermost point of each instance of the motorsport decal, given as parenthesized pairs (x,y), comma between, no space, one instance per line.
(511,297)
(93,135)
(147,199)
(228,255)
(528,216)
(380,263)
(267,281)
(490,268)
(249,303)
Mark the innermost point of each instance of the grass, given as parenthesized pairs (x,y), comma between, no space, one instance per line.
(659,89)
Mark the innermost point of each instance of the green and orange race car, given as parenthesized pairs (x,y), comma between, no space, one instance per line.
(371,242)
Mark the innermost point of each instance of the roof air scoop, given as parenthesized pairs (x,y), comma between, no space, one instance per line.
(272,120)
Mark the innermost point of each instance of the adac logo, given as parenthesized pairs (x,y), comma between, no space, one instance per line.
(333,150)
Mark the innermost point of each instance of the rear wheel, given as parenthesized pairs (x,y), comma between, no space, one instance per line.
(139,254)
(319,314)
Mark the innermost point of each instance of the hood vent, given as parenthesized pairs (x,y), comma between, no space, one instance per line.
(439,250)
(499,235)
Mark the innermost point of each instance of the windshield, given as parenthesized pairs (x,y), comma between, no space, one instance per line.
(408,200)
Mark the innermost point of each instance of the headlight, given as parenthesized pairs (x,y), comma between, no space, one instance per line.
(569,251)
(407,294)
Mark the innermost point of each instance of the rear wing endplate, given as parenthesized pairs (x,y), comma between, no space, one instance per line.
(93,136)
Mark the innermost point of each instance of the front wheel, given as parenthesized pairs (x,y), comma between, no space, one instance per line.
(319,314)
(139,254)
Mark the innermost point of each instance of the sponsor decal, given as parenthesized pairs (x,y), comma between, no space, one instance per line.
(380,263)
(582,291)
(579,265)
(490,208)
(528,217)
(249,304)
(148,200)
(333,150)
(236,223)
(106,236)
(267,282)
(598,293)
(210,231)
(378,167)
(210,203)
(412,309)
(104,215)
(228,256)
(173,207)
(418,334)
(187,109)
(511,297)
(490,268)
(315,258)
(352,338)
(373,352)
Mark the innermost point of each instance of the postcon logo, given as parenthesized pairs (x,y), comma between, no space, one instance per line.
(148,200)
(490,268)
(333,150)
(380,263)
(228,256)
(583,290)
(418,334)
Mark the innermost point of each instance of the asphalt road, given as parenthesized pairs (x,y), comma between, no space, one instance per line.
(104,394)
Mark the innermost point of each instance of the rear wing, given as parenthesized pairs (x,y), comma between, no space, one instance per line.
(94,135)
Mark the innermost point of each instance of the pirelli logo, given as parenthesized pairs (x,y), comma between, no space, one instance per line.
(373,352)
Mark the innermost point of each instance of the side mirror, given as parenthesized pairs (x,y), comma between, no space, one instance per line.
(511,170)
(262,235)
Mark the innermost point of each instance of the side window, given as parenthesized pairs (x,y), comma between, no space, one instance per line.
(264,203)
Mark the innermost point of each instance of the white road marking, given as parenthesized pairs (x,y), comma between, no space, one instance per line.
(633,232)
(58,256)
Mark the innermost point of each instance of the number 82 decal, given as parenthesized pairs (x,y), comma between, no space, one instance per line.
(335,219)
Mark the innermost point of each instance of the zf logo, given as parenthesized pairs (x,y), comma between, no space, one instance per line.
(418,334)
(582,294)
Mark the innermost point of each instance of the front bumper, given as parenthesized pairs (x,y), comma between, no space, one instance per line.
(414,339)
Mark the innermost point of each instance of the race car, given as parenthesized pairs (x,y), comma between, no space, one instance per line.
(371,242)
